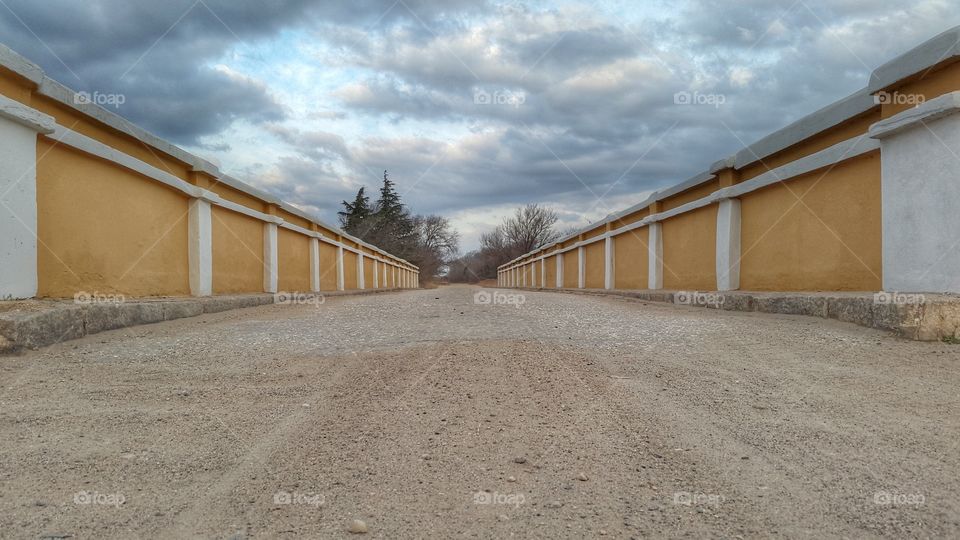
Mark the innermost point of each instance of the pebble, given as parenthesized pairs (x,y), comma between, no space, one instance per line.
(582,477)
(357,527)
(555,504)
(520,459)
(503,517)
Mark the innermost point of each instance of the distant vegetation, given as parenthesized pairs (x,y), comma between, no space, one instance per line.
(426,241)
(528,228)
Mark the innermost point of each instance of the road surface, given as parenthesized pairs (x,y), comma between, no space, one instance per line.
(427,415)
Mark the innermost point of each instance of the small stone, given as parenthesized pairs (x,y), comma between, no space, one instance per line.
(511,479)
(603,532)
(503,517)
(520,459)
(582,477)
(555,504)
(357,527)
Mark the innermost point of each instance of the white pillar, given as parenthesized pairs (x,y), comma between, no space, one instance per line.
(608,266)
(543,273)
(918,160)
(523,275)
(581,267)
(270,274)
(315,264)
(200,248)
(376,274)
(340,280)
(559,270)
(383,278)
(361,282)
(533,274)
(395,278)
(728,245)
(19,126)
(655,256)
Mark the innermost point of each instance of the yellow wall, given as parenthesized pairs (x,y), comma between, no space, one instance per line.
(830,241)
(690,195)
(837,134)
(932,84)
(689,250)
(349,270)
(103,229)
(293,261)
(630,259)
(367,272)
(237,252)
(571,265)
(551,272)
(594,270)
(328,267)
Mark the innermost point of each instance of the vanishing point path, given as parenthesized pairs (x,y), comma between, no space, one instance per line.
(429,416)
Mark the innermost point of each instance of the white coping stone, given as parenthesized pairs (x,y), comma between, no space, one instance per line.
(581,267)
(919,163)
(927,111)
(340,285)
(200,254)
(18,210)
(20,65)
(315,264)
(608,266)
(728,245)
(35,120)
(270,274)
(655,256)
(806,127)
(938,49)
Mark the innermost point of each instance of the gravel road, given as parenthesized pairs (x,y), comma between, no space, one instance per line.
(426,415)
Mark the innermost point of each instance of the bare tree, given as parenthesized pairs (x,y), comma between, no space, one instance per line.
(437,243)
(529,228)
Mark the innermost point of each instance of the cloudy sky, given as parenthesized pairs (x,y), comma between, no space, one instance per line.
(474,106)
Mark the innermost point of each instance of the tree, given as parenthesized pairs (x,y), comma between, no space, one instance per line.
(437,244)
(356,214)
(530,227)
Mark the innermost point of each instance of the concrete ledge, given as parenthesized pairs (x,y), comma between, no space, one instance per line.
(935,318)
(32,324)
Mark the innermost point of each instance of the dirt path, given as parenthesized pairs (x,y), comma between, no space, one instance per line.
(566,416)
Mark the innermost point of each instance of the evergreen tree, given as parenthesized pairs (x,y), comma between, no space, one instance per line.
(356,214)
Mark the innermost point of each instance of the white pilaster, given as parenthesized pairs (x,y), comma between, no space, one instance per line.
(270,274)
(918,156)
(543,273)
(581,267)
(19,126)
(361,282)
(376,274)
(200,248)
(608,266)
(560,270)
(523,281)
(395,278)
(340,280)
(655,256)
(315,264)
(728,245)
(533,274)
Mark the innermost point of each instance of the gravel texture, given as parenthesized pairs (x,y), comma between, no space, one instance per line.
(423,414)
